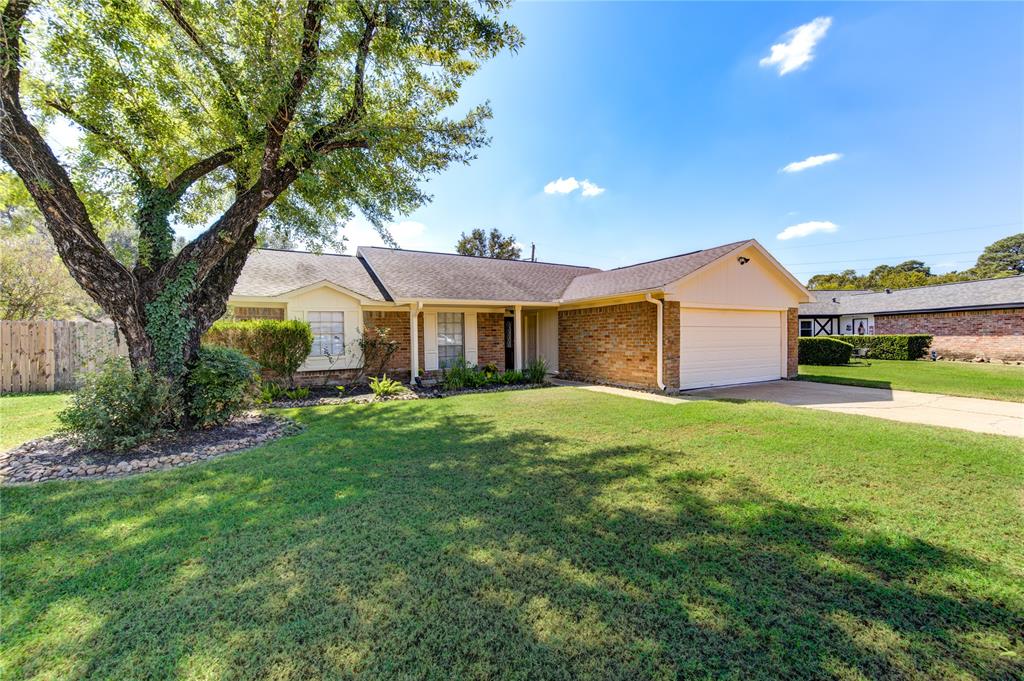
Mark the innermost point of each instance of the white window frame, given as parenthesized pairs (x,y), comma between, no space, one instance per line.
(335,330)
(444,356)
(810,328)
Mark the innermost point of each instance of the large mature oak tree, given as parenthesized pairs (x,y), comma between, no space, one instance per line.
(225,113)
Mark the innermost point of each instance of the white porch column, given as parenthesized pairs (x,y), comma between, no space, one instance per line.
(518,334)
(414,342)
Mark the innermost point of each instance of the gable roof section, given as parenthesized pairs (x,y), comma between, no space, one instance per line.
(269,273)
(645,276)
(986,293)
(412,275)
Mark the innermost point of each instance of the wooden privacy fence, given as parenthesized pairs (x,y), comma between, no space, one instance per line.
(44,356)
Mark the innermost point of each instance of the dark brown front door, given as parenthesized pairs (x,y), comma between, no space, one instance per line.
(510,342)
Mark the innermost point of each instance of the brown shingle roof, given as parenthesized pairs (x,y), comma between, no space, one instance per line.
(270,272)
(644,276)
(408,275)
(990,293)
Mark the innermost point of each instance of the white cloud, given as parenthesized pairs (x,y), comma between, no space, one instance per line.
(799,46)
(810,162)
(568,185)
(806,229)
(562,186)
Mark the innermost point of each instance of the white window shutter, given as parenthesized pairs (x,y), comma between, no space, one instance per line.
(470,339)
(429,341)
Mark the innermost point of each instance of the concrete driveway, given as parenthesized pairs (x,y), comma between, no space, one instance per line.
(968,413)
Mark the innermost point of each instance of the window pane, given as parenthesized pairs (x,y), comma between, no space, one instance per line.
(450,335)
(328,333)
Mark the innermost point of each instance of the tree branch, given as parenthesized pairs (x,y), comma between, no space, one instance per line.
(282,118)
(219,65)
(180,184)
(22,146)
(116,144)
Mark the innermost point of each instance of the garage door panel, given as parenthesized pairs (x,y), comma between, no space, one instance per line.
(722,347)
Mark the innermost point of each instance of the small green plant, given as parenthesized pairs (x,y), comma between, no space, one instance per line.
(222,383)
(511,377)
(536,371)
(341,389)
(385,387)
(270,392)
(297,393)
(119,408)
(458,375)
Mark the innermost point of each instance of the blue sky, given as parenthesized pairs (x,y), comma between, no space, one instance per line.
(668,108)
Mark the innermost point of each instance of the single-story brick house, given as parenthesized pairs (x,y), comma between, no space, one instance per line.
(713,317)
(967,319)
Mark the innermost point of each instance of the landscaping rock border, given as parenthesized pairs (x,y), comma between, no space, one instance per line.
(62,458)
(416,394)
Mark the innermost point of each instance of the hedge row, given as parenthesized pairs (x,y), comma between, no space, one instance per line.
(280,346)
(903,346)
(823,350)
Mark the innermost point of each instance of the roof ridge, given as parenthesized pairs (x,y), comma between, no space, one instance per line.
(479,257)
(289,250)
(923,286)
(678,255)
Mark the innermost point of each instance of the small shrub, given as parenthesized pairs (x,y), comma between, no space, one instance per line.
(891,346)
(385,387)
(536,371)
(458,375)
(377,348)
(118,408)
(271,391)
(297,393)
(511,377)
(823,350)
(223,382)
(489,368)
(279,346)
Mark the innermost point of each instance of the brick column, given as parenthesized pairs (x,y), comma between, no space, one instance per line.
(670,349)
(792,342)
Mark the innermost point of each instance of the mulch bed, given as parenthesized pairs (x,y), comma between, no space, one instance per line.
(62,458)
(323,397)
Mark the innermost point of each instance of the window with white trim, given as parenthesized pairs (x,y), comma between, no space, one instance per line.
(451,334)
(328,333)
(805,327)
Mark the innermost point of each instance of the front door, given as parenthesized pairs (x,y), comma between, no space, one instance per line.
(510,342)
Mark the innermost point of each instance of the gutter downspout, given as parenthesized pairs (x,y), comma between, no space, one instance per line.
(661,337)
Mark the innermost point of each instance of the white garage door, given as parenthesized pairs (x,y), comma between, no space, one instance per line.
(722,347)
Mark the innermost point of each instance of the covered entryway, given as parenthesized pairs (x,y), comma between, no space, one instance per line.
(725,347)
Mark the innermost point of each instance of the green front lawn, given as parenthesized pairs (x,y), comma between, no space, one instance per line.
(26,417)
(554,533)
(990,381)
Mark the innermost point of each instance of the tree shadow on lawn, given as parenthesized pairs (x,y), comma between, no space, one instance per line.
(388,542)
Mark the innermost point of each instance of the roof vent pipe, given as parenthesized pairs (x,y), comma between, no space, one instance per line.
(660,304)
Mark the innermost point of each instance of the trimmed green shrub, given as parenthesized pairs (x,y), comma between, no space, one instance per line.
(892,346)
(118,408)
(223,382)
(279,346)
(510,377)
(823,350)
(536,371)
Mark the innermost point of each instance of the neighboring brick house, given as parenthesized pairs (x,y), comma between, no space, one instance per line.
(713,317)
(967,319)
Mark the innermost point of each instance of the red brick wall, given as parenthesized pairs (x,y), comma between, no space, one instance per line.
(490,334)
(610,344)
(792,342)
(670,353)
(993,334)
(397,323)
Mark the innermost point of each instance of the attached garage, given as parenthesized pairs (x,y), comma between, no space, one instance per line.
(722,347)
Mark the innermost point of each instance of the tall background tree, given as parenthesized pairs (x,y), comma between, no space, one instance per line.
(225,115)
(1004,258)
(488,245)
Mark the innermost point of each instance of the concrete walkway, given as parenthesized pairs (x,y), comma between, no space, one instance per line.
(967,413)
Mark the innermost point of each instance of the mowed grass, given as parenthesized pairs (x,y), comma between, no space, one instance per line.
(26,417)
(989,381)
(554,533)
